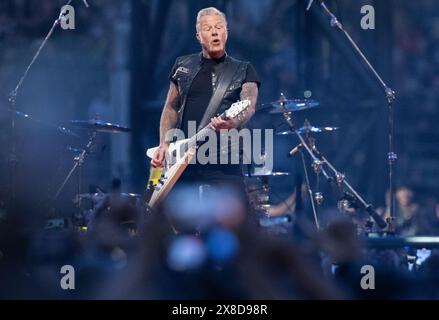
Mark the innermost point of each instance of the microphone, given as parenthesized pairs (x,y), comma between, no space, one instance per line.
(379,221)
(68,148)
(310,4)
(369,209)
(294,150)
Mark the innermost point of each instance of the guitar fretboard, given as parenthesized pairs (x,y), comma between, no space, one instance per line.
(200,135)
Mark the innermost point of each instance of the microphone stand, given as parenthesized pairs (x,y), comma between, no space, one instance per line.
(13,160)
(340,178)
(78,161)
(390,96)
(287,115)
(318,162)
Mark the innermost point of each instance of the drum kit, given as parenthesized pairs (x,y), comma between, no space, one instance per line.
(345,192)
(86,203)
(282,106)
(93,127)
(258,182)
(279,216)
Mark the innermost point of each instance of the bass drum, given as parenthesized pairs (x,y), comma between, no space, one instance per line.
(116,210)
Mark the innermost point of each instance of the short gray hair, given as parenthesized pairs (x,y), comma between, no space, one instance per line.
(207,12)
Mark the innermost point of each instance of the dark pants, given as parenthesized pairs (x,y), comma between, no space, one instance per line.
(216,176)
(207,185)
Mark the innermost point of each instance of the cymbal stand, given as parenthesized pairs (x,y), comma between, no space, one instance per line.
(288,118)
(78,162)
(318,195)
(310,193)
(320,160)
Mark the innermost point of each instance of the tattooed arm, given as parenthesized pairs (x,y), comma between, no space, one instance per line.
(168,121)
(249,91)
(169,116)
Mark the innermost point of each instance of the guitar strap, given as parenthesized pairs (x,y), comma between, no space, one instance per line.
(224,81)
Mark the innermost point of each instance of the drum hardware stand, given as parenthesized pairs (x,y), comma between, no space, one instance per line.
(340,179)
(318,196)
(310,193)
(12,159)
(78,162)
(319,161)
(287,115)
(390,97)
(317,166)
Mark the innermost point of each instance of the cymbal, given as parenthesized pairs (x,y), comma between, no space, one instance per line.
(308,130)
(99,125)
(268,174)
(96,197)
(122,194)
(292,105)
(271,221)
(58,128)
(77,150)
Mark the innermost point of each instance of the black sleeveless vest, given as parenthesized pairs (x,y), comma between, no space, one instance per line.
(186,69)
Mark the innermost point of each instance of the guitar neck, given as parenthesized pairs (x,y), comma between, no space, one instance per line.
(202,134)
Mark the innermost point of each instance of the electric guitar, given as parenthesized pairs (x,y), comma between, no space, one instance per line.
(179,155)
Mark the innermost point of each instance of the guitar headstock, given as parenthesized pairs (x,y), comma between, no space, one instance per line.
(237,109)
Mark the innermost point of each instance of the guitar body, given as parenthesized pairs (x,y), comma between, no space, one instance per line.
(171,173)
